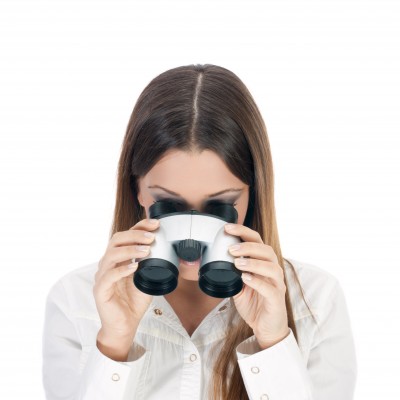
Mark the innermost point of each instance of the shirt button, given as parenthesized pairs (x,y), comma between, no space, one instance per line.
(193,357)
(223,308)
(255,370)
(264,397)
(157,311)
(115,377)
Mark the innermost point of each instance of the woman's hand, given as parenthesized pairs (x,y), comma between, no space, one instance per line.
(261,303)
(120,304)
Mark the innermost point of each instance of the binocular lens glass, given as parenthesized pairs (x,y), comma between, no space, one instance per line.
(156,274)
(220,276)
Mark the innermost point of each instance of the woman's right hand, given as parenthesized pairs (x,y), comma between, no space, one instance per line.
(120,304)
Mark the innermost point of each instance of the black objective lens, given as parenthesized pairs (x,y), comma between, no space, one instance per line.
(156,276)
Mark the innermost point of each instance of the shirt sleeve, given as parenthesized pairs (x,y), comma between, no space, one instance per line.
(70,373)
(281,372)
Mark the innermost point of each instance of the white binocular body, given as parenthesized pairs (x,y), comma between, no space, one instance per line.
(190,235)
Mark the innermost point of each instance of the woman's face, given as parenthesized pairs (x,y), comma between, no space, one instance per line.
(192,178)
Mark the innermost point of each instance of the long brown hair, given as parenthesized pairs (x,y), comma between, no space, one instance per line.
(194,108)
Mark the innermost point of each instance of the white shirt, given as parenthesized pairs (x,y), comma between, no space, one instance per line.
(166,363)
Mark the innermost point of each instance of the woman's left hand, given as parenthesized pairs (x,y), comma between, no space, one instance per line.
(261,303)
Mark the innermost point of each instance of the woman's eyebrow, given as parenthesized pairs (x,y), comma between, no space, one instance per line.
(211,195)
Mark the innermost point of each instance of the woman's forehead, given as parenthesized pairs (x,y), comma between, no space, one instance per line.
(184,172)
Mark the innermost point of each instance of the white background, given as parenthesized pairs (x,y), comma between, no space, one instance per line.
(325,75)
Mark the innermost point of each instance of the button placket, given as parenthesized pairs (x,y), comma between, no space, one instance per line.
(191,371)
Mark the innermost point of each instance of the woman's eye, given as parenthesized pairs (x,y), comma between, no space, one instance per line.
(217,203)
(179,205)
(182,206)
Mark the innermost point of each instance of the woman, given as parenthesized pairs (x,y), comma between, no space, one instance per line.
(196,131)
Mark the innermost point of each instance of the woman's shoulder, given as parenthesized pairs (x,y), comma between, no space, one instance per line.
(318,286)
(74,289)
(79,276)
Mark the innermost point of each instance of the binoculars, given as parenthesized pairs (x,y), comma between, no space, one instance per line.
(190,235)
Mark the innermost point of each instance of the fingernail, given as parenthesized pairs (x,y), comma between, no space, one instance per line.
(229,226)
(143,248)
(148,234)
(153,221)
(234,247)
(240,261)
(133,265)
(246,276)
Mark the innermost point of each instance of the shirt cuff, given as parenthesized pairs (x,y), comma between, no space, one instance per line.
(104,378)
(278,372)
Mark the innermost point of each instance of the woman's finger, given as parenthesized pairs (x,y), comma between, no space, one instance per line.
(117,255)
(261,286)
(133,235)
(263,268)
(104,288)
(260,251)
(247,234)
